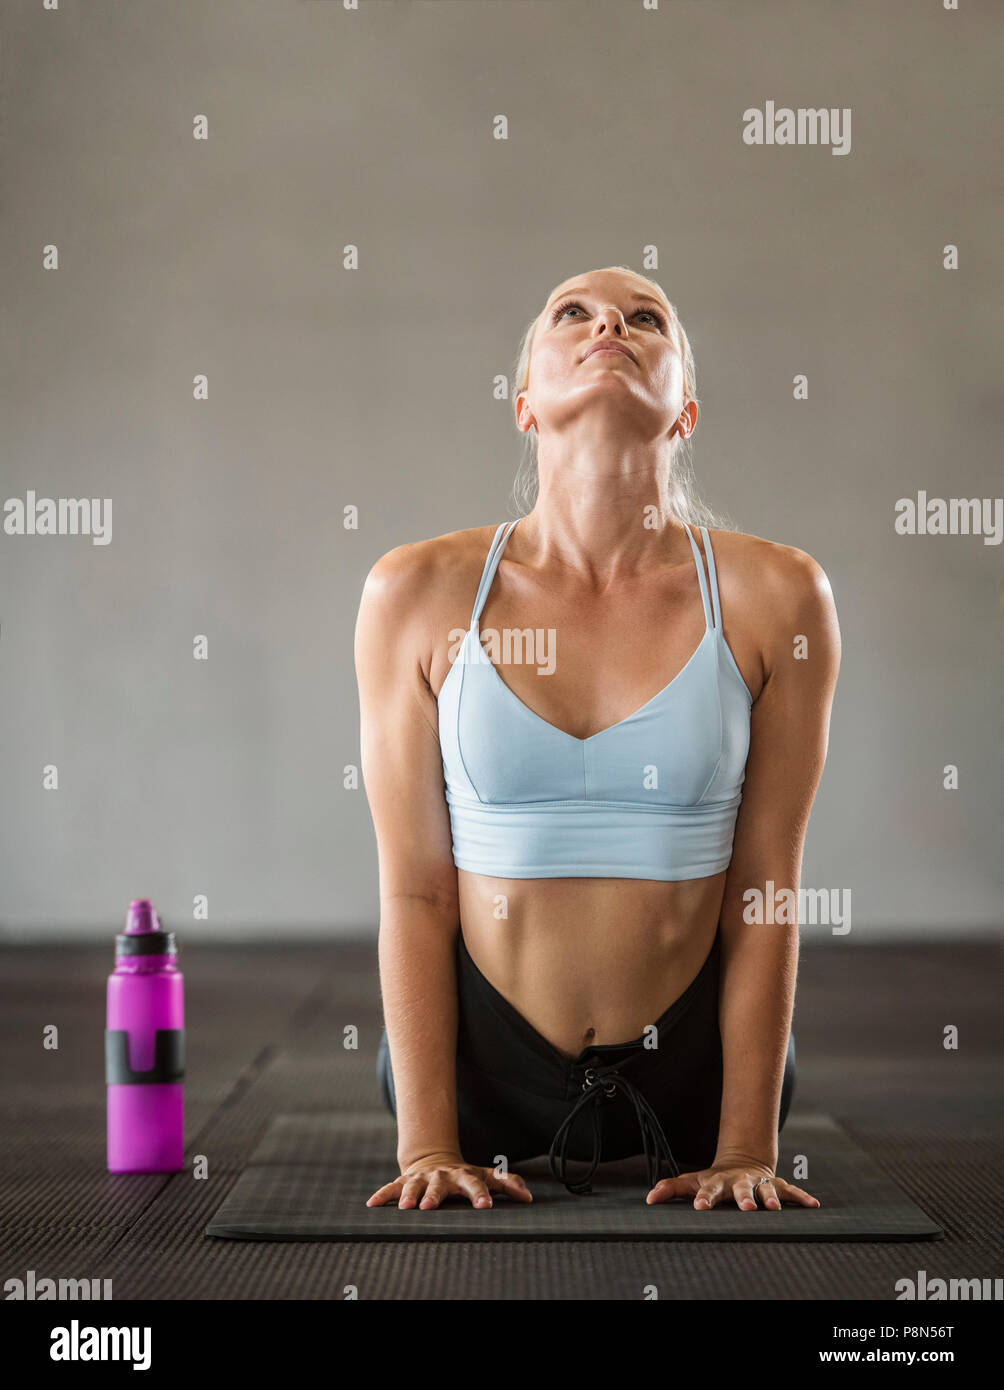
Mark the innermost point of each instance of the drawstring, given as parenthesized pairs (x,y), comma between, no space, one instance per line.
(597,1085)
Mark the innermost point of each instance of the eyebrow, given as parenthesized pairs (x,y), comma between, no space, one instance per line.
(581,289)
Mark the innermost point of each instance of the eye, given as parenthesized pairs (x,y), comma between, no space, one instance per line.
(561,309)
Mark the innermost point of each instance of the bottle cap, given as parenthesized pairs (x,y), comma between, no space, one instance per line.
(143,935)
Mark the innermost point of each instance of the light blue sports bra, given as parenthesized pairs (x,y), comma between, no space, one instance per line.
(654,796)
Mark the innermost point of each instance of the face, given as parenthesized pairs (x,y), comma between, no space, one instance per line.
(605,343)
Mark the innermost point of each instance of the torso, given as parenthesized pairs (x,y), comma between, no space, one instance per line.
(590,960)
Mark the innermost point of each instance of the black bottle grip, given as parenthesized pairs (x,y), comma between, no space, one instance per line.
(168,1058)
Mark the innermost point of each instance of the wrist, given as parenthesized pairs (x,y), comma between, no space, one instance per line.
(746,1155)
(408,1158)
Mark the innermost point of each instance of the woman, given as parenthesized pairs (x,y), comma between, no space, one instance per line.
(570,963)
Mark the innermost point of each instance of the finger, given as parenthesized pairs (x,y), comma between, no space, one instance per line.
(438,1188)
(512,1185)
(474,1187)
(767,1193)
(411,1191)
(668,1188)
(708,1194)
(790,1193)
(388,1193)
(744,1195)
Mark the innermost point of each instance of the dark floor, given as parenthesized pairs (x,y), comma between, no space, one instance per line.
(264,1034)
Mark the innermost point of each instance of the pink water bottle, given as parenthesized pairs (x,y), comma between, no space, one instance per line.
(145,1048)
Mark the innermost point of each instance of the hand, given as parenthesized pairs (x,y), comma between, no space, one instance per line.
(444,1175)
(730,1179)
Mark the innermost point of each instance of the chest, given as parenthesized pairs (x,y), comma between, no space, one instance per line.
(584,667)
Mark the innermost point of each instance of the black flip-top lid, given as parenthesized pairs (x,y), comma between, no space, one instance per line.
(148,943)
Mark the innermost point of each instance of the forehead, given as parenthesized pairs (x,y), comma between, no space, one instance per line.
(612,283)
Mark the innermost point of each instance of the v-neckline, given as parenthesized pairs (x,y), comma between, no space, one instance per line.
(474,631)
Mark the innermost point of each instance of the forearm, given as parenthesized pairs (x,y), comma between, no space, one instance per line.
(418,984)
(759,964)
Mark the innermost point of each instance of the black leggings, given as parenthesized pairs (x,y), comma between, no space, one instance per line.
(519,1097)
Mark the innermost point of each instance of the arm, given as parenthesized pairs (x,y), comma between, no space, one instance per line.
(788,740)
(419,913)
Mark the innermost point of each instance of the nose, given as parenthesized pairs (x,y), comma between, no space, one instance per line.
(610,320)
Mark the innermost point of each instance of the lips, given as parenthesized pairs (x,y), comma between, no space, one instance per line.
(610,347)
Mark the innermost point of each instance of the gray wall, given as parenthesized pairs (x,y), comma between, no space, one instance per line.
(372,388)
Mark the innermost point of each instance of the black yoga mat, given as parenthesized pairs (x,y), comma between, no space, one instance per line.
(311,1174)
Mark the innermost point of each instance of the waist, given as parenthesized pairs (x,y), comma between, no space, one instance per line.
(590,960)
(592,839)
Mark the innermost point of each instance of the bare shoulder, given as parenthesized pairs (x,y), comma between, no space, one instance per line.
(418,575)
(417,597)
(774,595)
(785,579)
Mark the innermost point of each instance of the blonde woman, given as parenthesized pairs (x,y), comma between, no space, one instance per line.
(569,824)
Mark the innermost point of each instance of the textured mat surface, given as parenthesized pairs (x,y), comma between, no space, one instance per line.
(931,1120)
(310,1176)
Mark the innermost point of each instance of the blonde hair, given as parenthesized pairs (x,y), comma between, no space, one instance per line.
(684,500)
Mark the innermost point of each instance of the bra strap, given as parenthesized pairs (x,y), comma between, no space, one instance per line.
(716,597)
(700,573)
(491,565)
